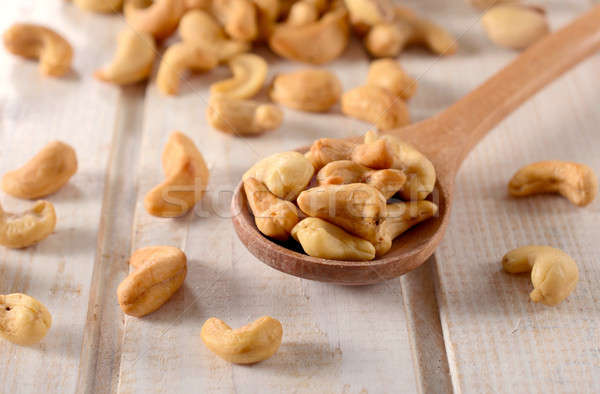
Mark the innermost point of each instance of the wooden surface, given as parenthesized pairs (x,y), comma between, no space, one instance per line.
(458,323)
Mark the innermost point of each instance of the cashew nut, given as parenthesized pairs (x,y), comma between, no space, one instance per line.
(356,207)
(304,12)
(133,60)
(400,217)
(27,228)
(486,4)
(318,42)
(23,319)
(44,173)
(238,17)
(249,344)
(327,241)
(274,217)
(249,74)
(177,59)
(53,52)
(554,273)
(515,26)
(307,90)
(376,105)
(388,181)
(159,273)
(198,4)
(201,29)
(388,74)
(267,12)
(285,174)
(242,117)
(103,6)
(390,152)
(326,150)
(186,177)
(576,182)
(366,13)
(160,18)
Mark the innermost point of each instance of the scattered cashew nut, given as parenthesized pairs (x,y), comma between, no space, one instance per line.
(576,182)
(44,44)
(304,12)
(388,74)
(27,228)
(23,319)
(249,344)
(515,26)
(554,273)
(159,19)
(103,6)
(159,273)
(366,13)
(486,4)
(238,17)
(307,90)
(44,173)
(178,58)
(249,74)
(242,117)
(186,177)
(376,105)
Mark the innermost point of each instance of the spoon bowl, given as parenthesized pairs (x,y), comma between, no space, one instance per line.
(446,139)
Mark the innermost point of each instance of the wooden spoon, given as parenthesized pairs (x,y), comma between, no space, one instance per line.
(446,139)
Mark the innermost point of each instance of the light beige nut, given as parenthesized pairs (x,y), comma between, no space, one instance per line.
(388,74)
(53,52)
(274,217)
(132,61)
(307,90)
(366,13)
(267,12)
(400,217)
(326,150)
(554,273)
(574,181)
(515,26)
(304,12)
(24,229)
(159,273)
(102,6)
(45,173)
(198,4)
(186,178)
(249,344)
(486,4)
(388,181)
(177,59)
(249,74)
(328,241)
(238,17)
(201,29)
(390,152)
(242,117)
(318,42)
(23,319)
(160,18)
(376,105)
(285,174)
(357,208)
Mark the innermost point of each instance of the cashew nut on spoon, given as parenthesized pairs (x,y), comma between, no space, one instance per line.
(445,139)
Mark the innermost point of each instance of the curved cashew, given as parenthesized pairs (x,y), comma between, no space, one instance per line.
(267,12)
(27,228)
(388,181)
(375,105)
(133,60)
(274,217)
(23,319)
(304,12)
(249,74)
(38,42)
(327,241)
(318,42)
(326,150)
(201,29)
(44,173)
(159,19)
(307,90)
(554,273)
(389,152)
(515,26)
(177,59)
(160,272)
(186,179)
(249,344)
(366,13)
(400,217)
(242,117)
(388,74)
(357,208)
(238,17)
(285,174)
(576,182)
(103,6)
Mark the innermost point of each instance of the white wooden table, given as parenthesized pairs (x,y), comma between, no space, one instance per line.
(458,323)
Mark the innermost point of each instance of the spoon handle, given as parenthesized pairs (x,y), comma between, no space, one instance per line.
(468,120)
